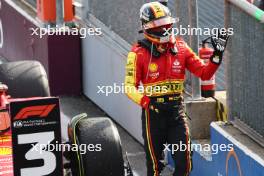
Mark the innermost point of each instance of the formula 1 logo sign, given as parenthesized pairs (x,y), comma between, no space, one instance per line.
(40,111)
(35,126)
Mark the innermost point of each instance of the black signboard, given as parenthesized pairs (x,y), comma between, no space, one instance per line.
(36,136)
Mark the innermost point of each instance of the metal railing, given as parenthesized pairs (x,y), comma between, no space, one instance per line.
(245,67)
(188,16)
(249,8)
(202,14)
(31,3)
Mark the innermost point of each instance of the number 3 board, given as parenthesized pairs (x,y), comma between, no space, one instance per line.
(35,133)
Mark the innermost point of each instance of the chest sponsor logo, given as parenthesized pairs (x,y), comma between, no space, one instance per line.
(164,88)
(176,63)
(154,75)
(153,67)
(176,66)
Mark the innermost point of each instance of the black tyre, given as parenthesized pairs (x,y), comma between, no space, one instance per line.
(108,159)
(25,79)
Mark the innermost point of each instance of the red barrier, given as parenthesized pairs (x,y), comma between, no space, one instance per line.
(46,10)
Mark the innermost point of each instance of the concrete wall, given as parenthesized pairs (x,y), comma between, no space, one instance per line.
(202,113)
(246,158)
(120,16)
(104,60)
(229,153)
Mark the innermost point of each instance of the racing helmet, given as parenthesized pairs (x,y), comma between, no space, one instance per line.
(156,22)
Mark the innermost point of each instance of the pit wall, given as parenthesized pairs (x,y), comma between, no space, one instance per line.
(234,159)
(241,161)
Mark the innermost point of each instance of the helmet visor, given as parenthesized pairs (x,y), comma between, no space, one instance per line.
(161,31)
(159,22)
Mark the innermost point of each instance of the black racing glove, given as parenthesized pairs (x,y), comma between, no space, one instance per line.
(219,42)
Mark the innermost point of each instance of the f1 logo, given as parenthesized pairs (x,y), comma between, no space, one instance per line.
(41,111)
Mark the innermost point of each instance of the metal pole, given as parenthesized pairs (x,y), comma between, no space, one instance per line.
(194,44)
(59,12)
(250,9)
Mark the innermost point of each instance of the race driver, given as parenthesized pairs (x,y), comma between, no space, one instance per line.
(158,62)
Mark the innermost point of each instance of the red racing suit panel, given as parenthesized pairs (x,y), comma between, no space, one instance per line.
(163,75)
(196,66)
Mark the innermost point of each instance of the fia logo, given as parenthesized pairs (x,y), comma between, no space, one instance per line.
(18,124)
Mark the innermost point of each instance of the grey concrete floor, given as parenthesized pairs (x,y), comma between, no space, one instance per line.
(74,105)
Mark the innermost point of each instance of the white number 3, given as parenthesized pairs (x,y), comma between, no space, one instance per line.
(49,159)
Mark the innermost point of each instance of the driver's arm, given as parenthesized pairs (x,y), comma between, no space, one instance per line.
(133,77)
(195,65)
